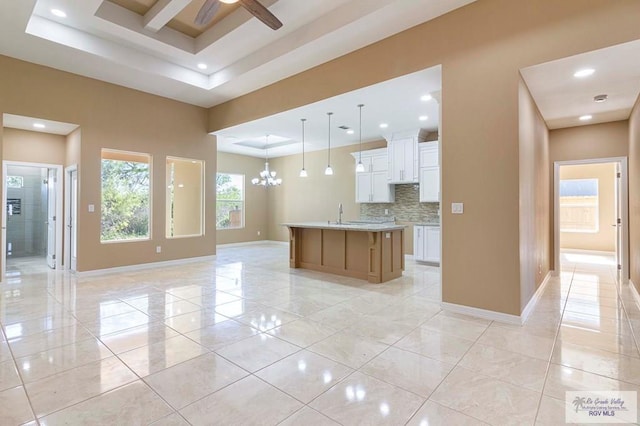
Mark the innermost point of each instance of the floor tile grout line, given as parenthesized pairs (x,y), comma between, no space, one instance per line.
(555,341)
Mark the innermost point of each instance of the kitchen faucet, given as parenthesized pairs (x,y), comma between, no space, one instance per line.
(340,214)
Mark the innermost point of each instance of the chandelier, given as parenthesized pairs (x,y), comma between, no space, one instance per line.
(266,177)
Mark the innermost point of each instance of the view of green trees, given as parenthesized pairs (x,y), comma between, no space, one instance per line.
(229,198)
(125,200)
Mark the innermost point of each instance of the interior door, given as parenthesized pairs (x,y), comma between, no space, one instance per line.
(73,212)
(618,218)
(51,218)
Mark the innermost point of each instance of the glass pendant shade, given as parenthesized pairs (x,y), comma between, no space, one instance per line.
(328,171)
(360,167)
(303,173)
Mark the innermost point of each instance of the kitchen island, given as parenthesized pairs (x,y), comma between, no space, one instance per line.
(372,252)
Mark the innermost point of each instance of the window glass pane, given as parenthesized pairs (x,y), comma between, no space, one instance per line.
(126,196)
(579,205)
(229,201)
(184,197)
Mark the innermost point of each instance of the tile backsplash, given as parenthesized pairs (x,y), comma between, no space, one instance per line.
(407,207)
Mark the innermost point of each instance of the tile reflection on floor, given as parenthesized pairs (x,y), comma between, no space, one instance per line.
(243,339)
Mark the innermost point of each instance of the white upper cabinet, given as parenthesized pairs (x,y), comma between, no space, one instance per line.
(429,173)
(372,185)
(403,160)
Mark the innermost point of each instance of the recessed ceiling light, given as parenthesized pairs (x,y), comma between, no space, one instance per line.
(350,131)
(59,13)
(586,72)
(202,66)
(585,117)
(228,1)
(423,118)
(383,125)
(39,125)
(600,98)
(426,98)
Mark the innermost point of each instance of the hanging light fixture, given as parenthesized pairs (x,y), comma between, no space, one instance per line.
(360,166)
(267,177)
(303,172)
(329,171)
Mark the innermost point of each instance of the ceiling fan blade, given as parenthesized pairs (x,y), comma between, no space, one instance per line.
(207,12)
(262,13)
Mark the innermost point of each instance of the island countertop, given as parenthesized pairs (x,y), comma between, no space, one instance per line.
(346,226)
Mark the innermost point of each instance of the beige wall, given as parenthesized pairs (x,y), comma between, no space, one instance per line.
(605,238)
(255,215)
(634,195)
(316,197)
(587,142)
(118,118)
(33,147)
(534,196)
(480,125)
(605,140)
(72,156)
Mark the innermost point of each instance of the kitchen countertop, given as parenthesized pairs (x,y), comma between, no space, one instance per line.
(346,226)
(427,224)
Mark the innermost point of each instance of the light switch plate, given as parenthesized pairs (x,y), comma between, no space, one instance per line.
(457,208)
(92,208)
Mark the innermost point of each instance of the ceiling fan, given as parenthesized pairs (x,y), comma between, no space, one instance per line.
(210,7)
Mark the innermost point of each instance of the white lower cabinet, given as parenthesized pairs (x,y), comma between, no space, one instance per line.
(426,243)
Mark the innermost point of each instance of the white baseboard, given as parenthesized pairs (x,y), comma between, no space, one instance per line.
(534,299)
(253,243)
(591,252)
(143,266)
(481,313)
(499,316)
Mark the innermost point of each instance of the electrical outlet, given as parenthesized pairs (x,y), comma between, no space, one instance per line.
(158,249)
(386,211)
(91,208)
(258,233)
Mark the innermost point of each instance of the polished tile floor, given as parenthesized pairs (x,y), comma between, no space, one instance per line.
(244,340)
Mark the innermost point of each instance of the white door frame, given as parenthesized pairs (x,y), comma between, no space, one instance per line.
(58,169)
(624,214)
(67,215)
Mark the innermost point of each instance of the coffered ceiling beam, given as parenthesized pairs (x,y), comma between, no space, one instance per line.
(162,12)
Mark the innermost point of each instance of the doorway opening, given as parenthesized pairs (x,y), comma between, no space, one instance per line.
(591,214)
(32,204)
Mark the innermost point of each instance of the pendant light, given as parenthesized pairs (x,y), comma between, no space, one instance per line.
(303,172)
(329,171)
(360,166)
(266,177)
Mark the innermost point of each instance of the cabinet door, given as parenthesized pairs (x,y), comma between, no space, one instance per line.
(396,160)
(419,242)
(429,184)
(381,191)
(363,187)
(429,155)
(379,163)
(366,161)
(432,248)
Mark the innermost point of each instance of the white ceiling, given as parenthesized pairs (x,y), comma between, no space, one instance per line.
(396,102)
(562,98)
(102,40)
(37,125)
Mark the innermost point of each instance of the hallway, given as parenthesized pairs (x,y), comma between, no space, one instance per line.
(243,339)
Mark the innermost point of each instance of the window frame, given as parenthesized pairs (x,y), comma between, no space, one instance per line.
(596,228)
(243,201)
(202,197)
(124,154)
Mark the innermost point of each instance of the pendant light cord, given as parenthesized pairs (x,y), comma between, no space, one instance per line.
(360,134)
(329,150)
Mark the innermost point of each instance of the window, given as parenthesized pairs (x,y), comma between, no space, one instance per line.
(229,201)
(184,197)
(579,205)
(15,181)
(126,196)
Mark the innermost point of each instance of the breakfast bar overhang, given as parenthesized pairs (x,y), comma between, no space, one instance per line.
(372,252)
